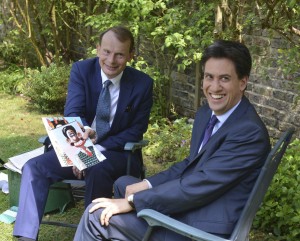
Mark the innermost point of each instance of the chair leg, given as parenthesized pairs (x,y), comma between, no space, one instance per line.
(128,164)
(148,233)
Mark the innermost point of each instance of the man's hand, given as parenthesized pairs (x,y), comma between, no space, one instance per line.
(111,207)
(90,133)
(77,173)
(134,188)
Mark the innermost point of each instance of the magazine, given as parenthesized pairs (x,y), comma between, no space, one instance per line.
(16,163)
(66,136)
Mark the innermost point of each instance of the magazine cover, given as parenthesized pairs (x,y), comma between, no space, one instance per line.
(66,135)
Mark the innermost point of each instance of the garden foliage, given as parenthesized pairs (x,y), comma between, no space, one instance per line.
(10,79)
(280,211)
(169,35)
(169,141)
(47,88)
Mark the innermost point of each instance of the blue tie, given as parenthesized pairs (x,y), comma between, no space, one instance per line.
(103,112)
(209,129)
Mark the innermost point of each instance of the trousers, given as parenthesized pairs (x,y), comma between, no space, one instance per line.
(42,171)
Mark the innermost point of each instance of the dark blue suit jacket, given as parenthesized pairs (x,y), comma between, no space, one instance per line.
(134,104)
(209,189)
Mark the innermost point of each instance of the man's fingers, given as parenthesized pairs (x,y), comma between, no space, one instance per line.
(101,199)
(76,172)
(86,134)
(99,203)
(105,216)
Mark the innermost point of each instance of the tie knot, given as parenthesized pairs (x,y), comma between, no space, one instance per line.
(213,120)
(107,83)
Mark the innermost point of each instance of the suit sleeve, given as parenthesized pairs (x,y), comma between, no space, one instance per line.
(242,152)
(76,98)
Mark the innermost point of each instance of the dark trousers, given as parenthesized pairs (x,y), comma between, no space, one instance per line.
(125,227)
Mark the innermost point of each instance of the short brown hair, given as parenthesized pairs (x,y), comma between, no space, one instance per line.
(123,34)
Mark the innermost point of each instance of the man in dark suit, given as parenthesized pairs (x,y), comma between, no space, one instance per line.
(210,187)
(130,104)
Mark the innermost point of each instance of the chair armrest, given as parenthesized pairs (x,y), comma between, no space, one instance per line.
(2,165)
(133,146)
(155,218)
(42,139)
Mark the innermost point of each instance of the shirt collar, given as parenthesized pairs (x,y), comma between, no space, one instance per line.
(222,118)
(116,80)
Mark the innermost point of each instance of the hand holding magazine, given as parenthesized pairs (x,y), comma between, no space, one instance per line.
(66,135)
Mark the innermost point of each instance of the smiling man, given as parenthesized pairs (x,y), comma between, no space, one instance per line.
(130,102)
(210,187)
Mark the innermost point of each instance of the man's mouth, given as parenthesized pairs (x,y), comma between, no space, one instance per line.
(216,97)
(111,68)
(79,143)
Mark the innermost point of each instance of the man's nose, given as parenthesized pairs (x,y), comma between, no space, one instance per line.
(111,58)
(216,84)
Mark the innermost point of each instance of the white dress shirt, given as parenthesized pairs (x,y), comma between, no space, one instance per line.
(114,90)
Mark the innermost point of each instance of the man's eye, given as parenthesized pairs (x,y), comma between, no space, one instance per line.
(120,56)
(225,78)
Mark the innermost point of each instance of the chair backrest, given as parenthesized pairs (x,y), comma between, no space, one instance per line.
(242,228)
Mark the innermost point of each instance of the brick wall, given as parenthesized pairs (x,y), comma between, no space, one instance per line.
(275,96)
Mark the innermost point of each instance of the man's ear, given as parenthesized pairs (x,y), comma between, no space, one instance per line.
(243,83)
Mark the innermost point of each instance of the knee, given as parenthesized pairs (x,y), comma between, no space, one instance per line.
(29,165)
(121,183)
(120,187)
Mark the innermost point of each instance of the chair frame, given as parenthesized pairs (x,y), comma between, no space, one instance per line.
(243,225)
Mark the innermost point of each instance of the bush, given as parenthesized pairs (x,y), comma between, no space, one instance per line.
(47,88)
(10,79)
(169,141)
(280,212)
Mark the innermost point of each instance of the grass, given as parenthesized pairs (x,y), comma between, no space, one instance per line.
(19,132)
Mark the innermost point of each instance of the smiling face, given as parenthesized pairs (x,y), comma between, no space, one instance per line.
(221,85)
(75,139)
(113,54)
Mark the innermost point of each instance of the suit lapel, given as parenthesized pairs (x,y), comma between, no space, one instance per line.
(239,111)
(201,126)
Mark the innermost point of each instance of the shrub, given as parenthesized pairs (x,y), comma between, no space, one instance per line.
(169,141)
(10,79)
(280,212)
(47,88)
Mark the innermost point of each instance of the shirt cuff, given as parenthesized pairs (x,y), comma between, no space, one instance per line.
(100,148)
(149,184)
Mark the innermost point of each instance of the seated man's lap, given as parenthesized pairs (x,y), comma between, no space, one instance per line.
(48,166)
